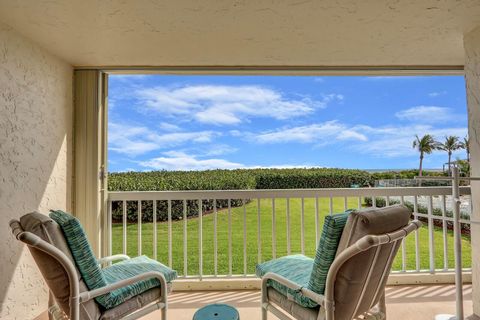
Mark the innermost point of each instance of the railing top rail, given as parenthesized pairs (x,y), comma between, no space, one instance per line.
(282,193)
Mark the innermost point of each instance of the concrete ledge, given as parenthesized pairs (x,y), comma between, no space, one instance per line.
(218,284)
(426,278)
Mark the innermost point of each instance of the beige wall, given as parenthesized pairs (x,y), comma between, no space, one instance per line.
(472,73)
(35,159)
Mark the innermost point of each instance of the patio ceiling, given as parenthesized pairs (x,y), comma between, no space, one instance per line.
(248,33)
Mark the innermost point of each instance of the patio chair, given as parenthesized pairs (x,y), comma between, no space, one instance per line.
(347,278)
(128,289)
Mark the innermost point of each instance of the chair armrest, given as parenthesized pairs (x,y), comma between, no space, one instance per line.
(113,258)
(88,295)
(318,298)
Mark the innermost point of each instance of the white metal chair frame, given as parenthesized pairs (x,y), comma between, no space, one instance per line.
(77,298)
(327,301)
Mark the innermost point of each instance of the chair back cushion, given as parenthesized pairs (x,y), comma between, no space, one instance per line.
(326,250)
(361,280)
(81,250)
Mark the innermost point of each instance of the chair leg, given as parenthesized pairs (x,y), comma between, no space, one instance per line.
(264,313)
(164,313)
(264,299)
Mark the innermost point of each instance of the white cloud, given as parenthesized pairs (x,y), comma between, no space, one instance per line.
(174,160)
(427,114)
(169,127)
(386,141)
(350,134)
(136,140)
(396,141)
(227,105)
(320,133)
(219,149)
(177,160)
(437,93)
(235,133)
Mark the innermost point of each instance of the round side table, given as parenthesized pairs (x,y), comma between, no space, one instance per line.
(217,311)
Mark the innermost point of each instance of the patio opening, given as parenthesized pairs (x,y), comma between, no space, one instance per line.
(237,170)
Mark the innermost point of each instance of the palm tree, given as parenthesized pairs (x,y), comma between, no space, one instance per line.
(466,145)
(425,145)
(451,144)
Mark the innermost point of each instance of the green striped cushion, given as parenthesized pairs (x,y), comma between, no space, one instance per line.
(95,277)
(304,271)
(326,251)
(296,268)
(127,269)
(81,250)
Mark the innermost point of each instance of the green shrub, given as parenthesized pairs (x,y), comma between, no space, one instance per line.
(240,179)
(311,178)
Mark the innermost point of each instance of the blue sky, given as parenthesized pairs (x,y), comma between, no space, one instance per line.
(177,122)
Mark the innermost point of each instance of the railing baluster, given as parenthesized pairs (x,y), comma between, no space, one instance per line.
(444,233)
(229,237)
(431,244)
(215,246)
(169,217)
(359,204)
(154,244)
(288,227)
(139,228)
(388,200)
(404,244)
(274,229)
(302,223)
(317,225)
(259,232)
(244,238)
(124,225)
(330,205)
(110,230)
(374,201)
(417,243)
(185,239)
(200,238)
(345,203)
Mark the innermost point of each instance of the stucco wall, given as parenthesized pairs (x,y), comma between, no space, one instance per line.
(35,159)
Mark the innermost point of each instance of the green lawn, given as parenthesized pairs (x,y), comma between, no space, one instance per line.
(266,238)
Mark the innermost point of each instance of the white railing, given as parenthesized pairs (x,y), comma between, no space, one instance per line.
(286,211)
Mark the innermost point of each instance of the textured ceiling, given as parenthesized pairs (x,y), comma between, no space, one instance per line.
(247,33)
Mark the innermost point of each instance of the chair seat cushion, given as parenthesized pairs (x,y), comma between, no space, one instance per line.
(296,268)
(297,311)
(130,268)
(133,304)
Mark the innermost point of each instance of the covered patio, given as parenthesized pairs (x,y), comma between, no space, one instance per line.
(55,59)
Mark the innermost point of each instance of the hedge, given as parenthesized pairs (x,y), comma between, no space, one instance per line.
(239,179)
(311,178)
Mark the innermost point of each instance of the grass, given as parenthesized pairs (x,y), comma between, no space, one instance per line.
(252,245)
